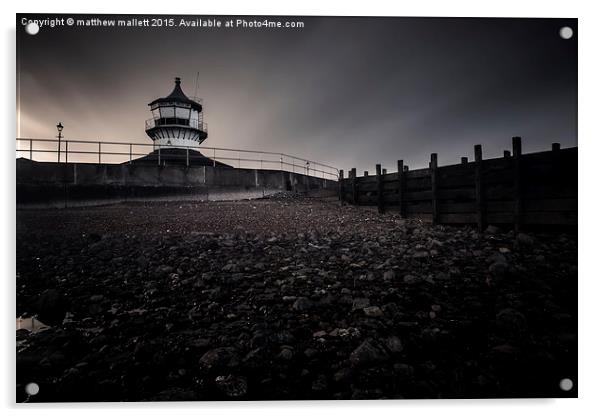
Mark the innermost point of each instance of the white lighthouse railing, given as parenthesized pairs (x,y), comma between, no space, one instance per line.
(103,152)
(172,121)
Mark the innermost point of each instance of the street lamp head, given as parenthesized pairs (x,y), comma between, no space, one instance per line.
(59,127)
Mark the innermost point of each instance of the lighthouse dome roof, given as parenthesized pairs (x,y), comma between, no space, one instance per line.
(178,96)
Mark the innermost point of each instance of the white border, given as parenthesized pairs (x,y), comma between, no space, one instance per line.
(590,268)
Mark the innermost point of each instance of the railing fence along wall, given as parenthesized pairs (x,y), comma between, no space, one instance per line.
(518,189)
(53,150)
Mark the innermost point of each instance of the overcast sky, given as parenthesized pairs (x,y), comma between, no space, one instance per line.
(352,92)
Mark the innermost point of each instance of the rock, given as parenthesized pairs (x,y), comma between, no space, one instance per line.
(523,240)
(368,353)
(220,358)
(373,311)
(366,394)
(302,304)
(492,230)
(342,375)
(499,268)
(142,261)
(505,354)
(232,386)
(175,394)
(285,354)
(393,344)
(511,324)
(410,279)
(310,352)
(360,303)
(404,370)
(51,307)
(348,333)
(420,254)
(389,275)
(165,269)
(320,384)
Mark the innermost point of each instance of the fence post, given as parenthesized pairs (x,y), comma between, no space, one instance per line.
(159,156)
(31,149)
(556,147)
(464,160)
(379,189)
(99,151)
(130,153)
(518,201)
(507,154)
(401,179)
(66,151)
(384,171)
(365,173)
(434,196)
(341,189)
(353,186)
(213,157)
(187,156)
(478,184)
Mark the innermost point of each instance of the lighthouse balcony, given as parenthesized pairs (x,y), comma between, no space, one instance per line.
(157,122)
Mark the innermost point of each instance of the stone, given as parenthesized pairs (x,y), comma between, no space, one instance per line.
(220,358)
(524,240)
(51,307)
(498,269)
(360,303)
(393,344)
(410,279)
(369,352)
(285,354)
(320,384)
(492,230)
(373,311)
(302,304)
(342,375)
(232,386)
(511,323)
(389,275)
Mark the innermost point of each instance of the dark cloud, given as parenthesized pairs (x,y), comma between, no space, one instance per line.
(349,91)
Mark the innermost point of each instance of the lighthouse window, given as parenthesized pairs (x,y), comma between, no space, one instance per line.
(182,113)
(167,112)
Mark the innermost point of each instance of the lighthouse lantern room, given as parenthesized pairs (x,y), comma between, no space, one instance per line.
(177,120)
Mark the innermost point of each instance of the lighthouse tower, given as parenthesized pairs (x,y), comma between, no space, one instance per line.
(177,120)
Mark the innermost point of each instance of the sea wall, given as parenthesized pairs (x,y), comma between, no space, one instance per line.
(50,184)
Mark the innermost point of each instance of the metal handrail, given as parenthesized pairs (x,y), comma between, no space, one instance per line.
(283,161)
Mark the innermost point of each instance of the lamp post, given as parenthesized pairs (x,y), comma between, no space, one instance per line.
(59,127)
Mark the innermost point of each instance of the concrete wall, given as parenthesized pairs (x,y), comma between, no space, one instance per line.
(48,184)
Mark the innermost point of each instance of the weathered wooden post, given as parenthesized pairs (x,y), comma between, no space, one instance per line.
(379,190)
(401,179)
(464,160)
(478,190)
(434,197)
(341,188)
(518,201)
(353,186)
